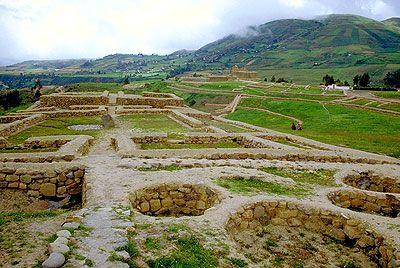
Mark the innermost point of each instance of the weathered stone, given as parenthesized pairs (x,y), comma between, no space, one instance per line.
(79,173)
(259,212)
(55,260)
(123,254)
(366,241)
(293,222)
(352,232)
(48,189)
(61,240)
(13,185)
(26,179)
(12,178)
(64,233)
(61,190)
(107,121)
(200,205)
(145,206)
(167,202)
(71,225)
(22,186)
(58,247)
(155,205)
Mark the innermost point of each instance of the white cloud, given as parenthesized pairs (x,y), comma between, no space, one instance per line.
(94,28)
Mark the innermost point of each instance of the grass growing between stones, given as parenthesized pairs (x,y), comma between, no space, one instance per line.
(157,146)
(24,236)
(161,168)
(334,124)
(320,177)
(249,186)
(189,253)
(57,126)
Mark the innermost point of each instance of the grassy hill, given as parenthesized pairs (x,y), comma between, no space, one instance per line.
(299,50)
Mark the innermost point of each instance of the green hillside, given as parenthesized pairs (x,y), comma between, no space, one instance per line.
(299,50)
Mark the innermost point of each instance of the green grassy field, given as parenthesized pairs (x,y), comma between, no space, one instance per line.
(333,124)
(157,146)
(58,126)
(153,123)
(388,94)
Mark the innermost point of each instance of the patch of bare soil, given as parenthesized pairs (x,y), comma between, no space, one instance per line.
(280,246)
(18,201)
(24,243)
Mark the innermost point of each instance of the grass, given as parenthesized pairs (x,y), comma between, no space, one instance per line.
(8,217)
(227,85)
(161,168)
(321,177)
(153,123)
(391,106)
(333,124)
(158,146)
(57,126)
(152,243)
(388,94)
(189,253)
(238,262)
(14,109)
(225,126)
(360,102)
(249,186)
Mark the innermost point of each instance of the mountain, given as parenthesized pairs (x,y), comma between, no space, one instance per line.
(394,22)
(332,41)
(326,43)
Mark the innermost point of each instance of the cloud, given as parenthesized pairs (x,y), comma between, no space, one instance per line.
(49,29)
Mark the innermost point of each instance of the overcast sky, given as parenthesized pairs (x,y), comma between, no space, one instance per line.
(60,29)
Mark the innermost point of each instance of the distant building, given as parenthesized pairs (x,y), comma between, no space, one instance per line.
(243,73)
(234,74)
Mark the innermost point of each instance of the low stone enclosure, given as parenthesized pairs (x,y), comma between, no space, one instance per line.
(247,223)
(174,199)
(66,100)
(70,148)
(373,182)
(369,202)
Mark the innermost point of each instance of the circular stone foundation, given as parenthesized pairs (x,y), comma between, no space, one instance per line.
(174,200)
(373,203)
(373,182)
(85,127)
(278,233)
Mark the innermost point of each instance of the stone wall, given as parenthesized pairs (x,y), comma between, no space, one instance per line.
(55,181)
(174,199)
(11,118)
(3,143)
(150,138)
(64,101)
(373,203)
(154,102)
(373,182)
(20,125)
(187,119)
(254,216)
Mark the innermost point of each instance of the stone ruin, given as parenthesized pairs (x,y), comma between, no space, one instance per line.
(62,173)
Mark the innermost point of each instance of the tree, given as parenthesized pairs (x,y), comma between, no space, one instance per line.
(126,80)
(273,79)
(364,80)
(328,80)
(356,80)
(346,83)
(265,79)
(392,79)
(282,80)
(37,95)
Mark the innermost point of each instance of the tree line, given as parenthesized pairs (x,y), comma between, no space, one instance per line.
(363,81)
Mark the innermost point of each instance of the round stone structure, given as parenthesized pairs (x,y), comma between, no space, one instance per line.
(373,182)
(174,199)
(248,224)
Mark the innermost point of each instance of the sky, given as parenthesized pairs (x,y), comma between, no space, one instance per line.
(64,29)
